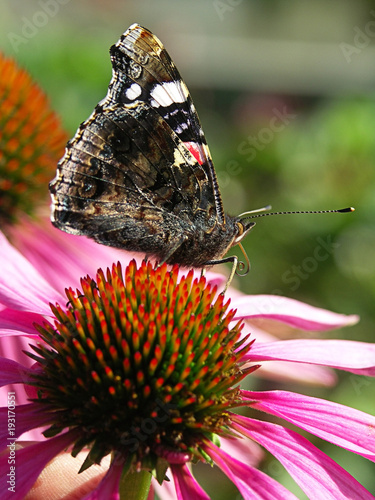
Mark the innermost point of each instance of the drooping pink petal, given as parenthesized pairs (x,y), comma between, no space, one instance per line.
(18,322)
(108,488)
(63,258)
(351,356)
(289,311)
(12,372)
(12,347)
(317,474)
(216,279)
(151,494)
(21,286)
(165,491)
(344,426)
(185,484)
(243,450)
(252,483)
(286,372)
(30,461)
(27,416)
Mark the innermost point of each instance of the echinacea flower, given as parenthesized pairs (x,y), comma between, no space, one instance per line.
(146,366)
(31,142)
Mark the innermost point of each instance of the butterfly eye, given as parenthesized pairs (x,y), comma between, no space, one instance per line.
(240,229)
(240,233)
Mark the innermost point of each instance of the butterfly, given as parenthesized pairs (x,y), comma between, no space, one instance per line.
(138,173)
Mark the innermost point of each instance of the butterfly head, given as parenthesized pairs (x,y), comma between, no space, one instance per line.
(243,228)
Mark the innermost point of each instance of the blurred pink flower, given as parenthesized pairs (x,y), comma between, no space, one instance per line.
(25,296)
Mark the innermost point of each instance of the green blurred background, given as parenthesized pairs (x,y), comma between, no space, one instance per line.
(286,94)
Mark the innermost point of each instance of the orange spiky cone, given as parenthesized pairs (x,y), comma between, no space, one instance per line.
(31,142)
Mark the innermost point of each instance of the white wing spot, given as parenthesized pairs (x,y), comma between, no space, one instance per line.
(181,128)
(166,93)
(133,91)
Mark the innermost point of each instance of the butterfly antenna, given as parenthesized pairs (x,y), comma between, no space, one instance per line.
(263,209)
(341,210)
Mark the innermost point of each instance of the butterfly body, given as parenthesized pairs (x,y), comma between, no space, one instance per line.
(138,174)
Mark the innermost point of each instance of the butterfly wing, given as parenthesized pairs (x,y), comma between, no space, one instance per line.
(137,174)
(123,177)
(144,72)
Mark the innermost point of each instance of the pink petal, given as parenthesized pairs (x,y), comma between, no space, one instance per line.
(285,372)
(151,494)
(185,484)
(289,311)
(18,322)
(21,286)
(108,488)
(243,450)
(355,357)
(30,463)
(165,491)
(12,372)
(252,483)
(63,258)
(216,279)
(258,333)
(317,474)
(344,426)
(12,347)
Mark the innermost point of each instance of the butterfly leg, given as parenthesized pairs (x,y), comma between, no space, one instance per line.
(234,260)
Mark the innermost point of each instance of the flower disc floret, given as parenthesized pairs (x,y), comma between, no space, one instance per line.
(143,364)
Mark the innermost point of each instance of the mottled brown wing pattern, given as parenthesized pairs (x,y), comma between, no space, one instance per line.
(125,178)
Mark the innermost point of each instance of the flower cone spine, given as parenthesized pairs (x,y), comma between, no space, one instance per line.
(145,366)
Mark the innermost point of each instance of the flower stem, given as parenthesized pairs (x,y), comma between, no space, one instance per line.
(135,486)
